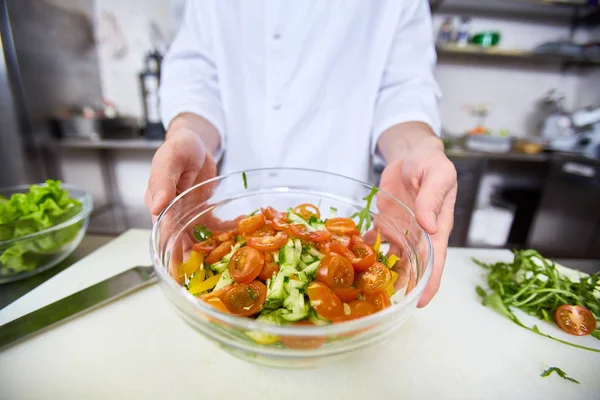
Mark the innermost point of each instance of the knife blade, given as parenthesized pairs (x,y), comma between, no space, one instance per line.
(76,304)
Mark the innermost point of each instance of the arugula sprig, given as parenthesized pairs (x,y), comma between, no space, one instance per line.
(559,372)
(201,233)
(364,216)
(532,284)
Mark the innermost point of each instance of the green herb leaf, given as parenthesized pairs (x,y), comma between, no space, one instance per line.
(596,334)
(251,293)
(480,291)
(364,216)
(559,372)
(253,213)
(313,220)
(382,258)
(245,179)
(201,233)
(532,284)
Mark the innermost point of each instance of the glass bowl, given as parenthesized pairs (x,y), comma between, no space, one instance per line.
(218,202)
(34,253)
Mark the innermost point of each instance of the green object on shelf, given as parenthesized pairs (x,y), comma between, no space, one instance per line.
(486,39)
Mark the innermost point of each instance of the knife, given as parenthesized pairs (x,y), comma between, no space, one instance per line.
(76,304)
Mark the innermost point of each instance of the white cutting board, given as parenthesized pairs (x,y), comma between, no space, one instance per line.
(137,348)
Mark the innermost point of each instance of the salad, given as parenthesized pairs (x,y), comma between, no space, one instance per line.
(23,214)
(291,267)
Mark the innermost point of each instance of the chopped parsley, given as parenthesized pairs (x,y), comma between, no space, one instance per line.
(251,293)
(245,180)
(253,213)
(382,258)
(313,220)
(201,233)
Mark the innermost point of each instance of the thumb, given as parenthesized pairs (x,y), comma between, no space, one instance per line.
(437,183)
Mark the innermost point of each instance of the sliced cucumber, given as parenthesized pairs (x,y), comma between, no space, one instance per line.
(276,292)
(223,263)
(311,269)
(290,316)
(272,318)
(294,301)
(317,319)
(296,219)
(315,253)
(332,212)
(224,280)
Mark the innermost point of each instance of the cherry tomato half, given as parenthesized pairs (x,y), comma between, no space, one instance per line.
(270,213)
(346,294)
(224,236)
(249,225)
(217,303)
(280,224)
(335,271)
(268,243)
(341,226)
(362,308)
(268,271)
(266,230)
(303,342)
(246,264)
(221,251)
(302,232)
(307,210)
(344,240)
(380,300)
(206,246)
(364,255)
(576,320)
(324,301)
(375,279)
(245,299)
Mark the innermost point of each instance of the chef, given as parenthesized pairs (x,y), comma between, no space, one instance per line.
(327,85)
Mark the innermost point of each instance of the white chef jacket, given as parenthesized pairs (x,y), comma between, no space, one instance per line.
(307,83)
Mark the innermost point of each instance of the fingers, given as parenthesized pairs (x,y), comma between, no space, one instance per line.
(164,177)
(440,247)
(438,182)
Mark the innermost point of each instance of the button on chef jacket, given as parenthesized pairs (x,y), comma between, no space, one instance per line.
(309,84)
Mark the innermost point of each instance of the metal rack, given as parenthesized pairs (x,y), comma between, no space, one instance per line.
(575,13)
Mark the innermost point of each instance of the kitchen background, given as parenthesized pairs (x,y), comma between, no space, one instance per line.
(98,55)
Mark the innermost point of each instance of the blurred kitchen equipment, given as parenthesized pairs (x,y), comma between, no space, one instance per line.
(95,124)
(150,82)
(462,36)
(491,224)
(488,143)
(527,146)
(486,39)
(587,126)
(446,31)
(563,48)
(556,128)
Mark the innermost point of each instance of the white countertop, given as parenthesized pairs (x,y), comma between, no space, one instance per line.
(137,347)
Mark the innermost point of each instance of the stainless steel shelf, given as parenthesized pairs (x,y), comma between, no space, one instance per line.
(565,11)
(113,144)
(499,54)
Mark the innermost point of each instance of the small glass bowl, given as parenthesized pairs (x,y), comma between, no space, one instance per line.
(218,202)
(44,249)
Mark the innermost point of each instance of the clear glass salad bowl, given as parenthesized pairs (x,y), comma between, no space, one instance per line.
(24,256)
(218,202)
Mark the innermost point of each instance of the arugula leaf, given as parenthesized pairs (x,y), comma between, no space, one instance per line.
(364,216)
(532,284)
(201,233)
(559,372)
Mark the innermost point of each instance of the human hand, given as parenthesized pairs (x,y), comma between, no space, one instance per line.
(180,163)
(425,180)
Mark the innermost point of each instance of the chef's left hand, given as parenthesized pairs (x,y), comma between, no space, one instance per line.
(420,175)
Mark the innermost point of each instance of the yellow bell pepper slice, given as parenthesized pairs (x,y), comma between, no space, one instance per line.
(391,261)
(193,264)
(263,338)
(377,245)
(390,289)
(198,286)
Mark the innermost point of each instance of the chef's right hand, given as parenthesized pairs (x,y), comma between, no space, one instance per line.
(182,161)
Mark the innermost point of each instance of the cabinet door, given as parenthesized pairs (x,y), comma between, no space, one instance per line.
(567,219)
